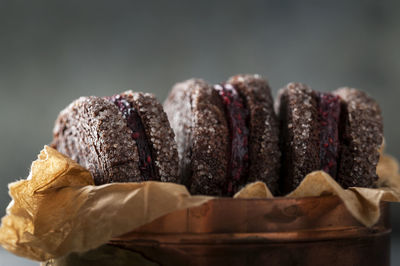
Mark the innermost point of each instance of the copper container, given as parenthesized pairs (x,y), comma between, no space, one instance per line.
(281,231)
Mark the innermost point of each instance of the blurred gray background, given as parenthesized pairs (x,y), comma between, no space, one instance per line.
(52,52)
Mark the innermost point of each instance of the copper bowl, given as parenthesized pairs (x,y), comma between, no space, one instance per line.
(281,231)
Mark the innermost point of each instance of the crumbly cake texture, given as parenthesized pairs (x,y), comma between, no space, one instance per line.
(196,115)
(264,152)
(298,116)
(361,136)
(92,131)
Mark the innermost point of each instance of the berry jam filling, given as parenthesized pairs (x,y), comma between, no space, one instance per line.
(237,117)
(329,114)
(134,122)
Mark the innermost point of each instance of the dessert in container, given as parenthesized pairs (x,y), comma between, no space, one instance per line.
(62,214)
(161,223)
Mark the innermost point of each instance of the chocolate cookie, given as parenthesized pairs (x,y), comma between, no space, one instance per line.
(316,134)
(123,138)
(361,137)
(264,152)
(227,135)
(299,129)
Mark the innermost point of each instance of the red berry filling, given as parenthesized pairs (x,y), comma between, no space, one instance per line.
(134,122)
(329,114)
(237,117)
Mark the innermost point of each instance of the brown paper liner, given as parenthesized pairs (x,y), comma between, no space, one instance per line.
(58,210)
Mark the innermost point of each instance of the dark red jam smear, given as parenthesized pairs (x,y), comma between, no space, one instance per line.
(237,117)
(329,114)
(134,122)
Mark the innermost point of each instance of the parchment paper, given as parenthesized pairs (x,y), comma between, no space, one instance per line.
(58,210)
